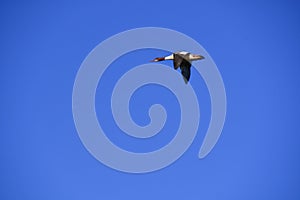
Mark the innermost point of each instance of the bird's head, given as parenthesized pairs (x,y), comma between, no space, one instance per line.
(158,59)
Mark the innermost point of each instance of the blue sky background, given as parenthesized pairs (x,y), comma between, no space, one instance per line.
(256,46)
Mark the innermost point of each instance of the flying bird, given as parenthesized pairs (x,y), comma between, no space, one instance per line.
(183,60)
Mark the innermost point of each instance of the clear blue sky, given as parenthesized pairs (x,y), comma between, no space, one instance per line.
(256,46)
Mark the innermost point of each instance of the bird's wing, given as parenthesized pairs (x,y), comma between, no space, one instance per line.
(177,61)
(185,70)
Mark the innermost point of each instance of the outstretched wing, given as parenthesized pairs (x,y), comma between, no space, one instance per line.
(177,60)
(185,70)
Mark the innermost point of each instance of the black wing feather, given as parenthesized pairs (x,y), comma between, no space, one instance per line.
(177,60)
(185,70)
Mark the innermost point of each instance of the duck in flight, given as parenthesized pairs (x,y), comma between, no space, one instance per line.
(183,60)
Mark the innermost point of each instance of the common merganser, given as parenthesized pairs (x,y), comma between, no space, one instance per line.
(183,60)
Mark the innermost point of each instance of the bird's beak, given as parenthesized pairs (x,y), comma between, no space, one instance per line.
(157,59)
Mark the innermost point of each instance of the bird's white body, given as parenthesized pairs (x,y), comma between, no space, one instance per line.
(188,56)
(170,57)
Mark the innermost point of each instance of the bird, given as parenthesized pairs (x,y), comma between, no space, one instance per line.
(183,60)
